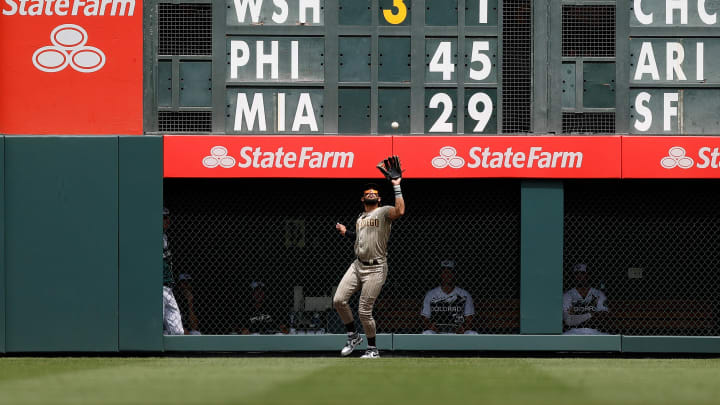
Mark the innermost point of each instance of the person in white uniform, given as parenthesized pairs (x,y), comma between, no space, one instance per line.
(584,307)
(448,308)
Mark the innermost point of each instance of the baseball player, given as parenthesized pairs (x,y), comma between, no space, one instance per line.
(583,306)
(369,270)
(172,323)
(448,308)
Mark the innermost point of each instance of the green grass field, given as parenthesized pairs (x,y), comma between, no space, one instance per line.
(320,380)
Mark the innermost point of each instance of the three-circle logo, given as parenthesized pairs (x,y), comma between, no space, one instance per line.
(68,49)
(676,158)
(218,157)
(448,157)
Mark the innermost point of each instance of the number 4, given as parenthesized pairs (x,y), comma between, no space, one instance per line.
(442,62)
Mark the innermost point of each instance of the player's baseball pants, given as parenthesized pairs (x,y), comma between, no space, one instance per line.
(371,280)
(172,323)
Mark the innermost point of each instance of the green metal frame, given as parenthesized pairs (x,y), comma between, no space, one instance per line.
(671,344)
(606,343)
(622,70)
(268,343)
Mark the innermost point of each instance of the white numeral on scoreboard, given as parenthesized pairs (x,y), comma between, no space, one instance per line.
(441,125)
(482,117)
(442,60)
(477,55)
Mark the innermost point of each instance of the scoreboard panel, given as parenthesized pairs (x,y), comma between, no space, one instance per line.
(674,82)
(449,67)
(361,67)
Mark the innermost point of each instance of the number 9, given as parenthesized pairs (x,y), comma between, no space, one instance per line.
(399,17)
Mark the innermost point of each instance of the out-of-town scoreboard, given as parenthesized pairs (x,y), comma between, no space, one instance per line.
(446,67)
(674,67)
(361,67)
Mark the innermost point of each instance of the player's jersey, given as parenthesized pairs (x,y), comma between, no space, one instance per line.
(447,311)
(372,230)
(582,307)
(168,279)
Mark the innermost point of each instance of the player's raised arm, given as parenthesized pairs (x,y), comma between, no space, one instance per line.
(390,168)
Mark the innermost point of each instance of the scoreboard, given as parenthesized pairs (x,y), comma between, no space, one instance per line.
(453,67)
(674,74)
(361,67)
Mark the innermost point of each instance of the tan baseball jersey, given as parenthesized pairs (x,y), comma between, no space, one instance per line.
(372,230)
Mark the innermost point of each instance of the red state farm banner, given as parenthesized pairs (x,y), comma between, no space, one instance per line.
(510,156)
(663,157)
(275,156)
(71,67)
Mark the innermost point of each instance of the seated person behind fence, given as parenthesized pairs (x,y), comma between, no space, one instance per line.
(187,304)
(261,318)
(447,308)
(584,307)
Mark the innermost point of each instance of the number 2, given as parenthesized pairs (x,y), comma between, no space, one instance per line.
(399,17)
(441,124)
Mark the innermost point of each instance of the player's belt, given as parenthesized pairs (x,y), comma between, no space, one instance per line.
(373,262)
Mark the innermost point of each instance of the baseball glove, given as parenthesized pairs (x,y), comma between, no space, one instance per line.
(390,168)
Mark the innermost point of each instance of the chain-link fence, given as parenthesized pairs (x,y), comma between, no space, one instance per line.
(517,66)
(588,30)
(263,256)
(588,123)
(184,29)
(651,248)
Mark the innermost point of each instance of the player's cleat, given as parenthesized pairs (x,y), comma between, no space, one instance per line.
(352,342)
(371,353)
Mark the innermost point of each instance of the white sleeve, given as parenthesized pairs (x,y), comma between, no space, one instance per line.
(426,305)
(601,302)
(469,306)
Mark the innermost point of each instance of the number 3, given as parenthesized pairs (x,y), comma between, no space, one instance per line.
(394,18)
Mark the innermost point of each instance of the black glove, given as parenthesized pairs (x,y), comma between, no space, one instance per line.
(390,168)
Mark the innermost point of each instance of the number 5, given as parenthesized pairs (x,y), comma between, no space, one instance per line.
(477,55)
(396,18)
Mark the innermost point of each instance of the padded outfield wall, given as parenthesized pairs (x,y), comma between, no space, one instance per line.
(448,88)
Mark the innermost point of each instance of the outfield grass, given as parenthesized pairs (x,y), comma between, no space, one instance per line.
(356,381)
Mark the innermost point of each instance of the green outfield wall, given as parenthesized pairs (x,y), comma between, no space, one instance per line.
(81,263)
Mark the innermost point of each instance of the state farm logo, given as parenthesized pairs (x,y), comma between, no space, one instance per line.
(62,8)
(257,158)
(487,158)
(68,49)
(448,157)
(218,157)
(708,157)
(676,158)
